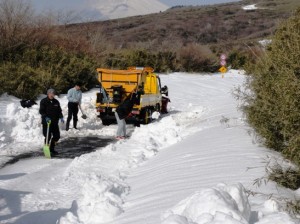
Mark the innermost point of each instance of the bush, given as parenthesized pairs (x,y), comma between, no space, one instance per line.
(192,58)
(286,176)
(34,56)
(237,60)
(280,172)
(272,104)
(161,61)
(29,74)
(197,58)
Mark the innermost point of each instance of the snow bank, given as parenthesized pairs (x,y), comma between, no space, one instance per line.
(21,129)
(249,7)
(100,201)
(26,122)
(277,218)
(224,204)
(101,197)
(221,204)
(272,213)
(19,124)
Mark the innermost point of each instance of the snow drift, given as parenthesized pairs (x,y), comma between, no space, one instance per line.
(222,204)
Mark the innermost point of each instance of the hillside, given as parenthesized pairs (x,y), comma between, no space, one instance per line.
(224,24)
(186,39)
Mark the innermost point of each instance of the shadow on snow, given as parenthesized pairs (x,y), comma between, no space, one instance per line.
(68,148)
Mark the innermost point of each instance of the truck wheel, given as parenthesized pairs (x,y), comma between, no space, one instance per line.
(146,116)
(157,107)
(106,122)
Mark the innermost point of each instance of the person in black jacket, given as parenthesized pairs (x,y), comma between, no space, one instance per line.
(51,112)
(164,100)
(122,111)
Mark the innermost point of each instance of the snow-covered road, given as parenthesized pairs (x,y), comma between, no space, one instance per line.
(166,172)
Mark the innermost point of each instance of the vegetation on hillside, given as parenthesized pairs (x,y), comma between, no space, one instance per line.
(34,56)
(272,98)
(184,38)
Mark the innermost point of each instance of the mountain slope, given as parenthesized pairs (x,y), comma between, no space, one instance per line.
(125,8)
(215,24)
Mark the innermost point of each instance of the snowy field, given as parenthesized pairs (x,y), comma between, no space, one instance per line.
(195,165)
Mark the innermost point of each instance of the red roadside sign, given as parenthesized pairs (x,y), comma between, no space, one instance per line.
(223,63)
(223,57)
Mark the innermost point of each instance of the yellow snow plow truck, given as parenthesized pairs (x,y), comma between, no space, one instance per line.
(117,85)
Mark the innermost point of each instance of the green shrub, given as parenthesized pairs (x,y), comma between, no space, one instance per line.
(288,178)
(237,60)
(35,55)
(272,104)
(161,61)
(192,58)
(285,176)
(33,71)
(197,58)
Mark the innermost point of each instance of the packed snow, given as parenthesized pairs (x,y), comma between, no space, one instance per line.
(195,165)
(265,42)
(250,7)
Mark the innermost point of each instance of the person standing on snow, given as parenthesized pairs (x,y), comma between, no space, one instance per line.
(122,111)
(51,112)
(165,100)
(74,97)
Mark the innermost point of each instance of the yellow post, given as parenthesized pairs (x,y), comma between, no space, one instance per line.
(223,70)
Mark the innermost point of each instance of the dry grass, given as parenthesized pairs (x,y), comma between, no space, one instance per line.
(202,25)
(222,28)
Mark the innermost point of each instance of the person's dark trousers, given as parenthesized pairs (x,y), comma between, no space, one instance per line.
(54,134)
(72,112)
(164,105)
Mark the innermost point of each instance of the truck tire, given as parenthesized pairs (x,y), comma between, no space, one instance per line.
(157,107)
(146,116)
(106,122)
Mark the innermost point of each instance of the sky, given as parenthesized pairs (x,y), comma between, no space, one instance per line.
(87,7)
(194,2)
(77,4)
